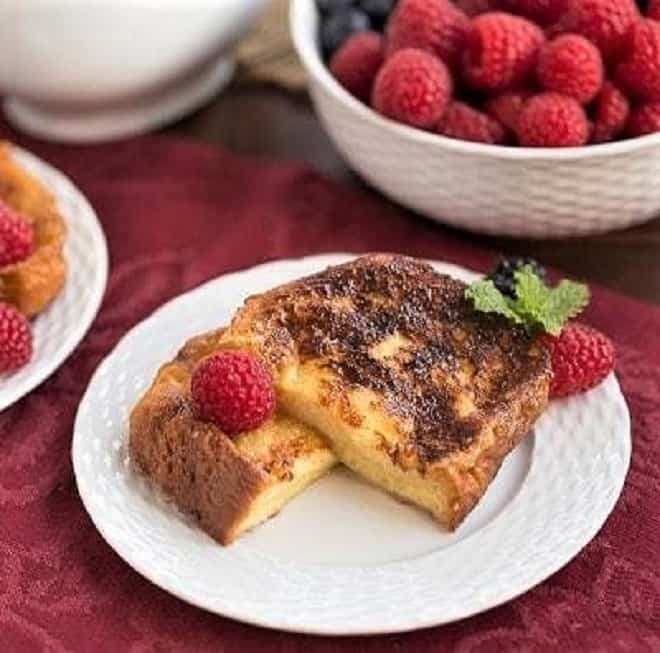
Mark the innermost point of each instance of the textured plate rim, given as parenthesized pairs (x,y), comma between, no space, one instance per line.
(285,622)
(42,170)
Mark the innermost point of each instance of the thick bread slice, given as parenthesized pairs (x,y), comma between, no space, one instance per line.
(230,485)
(413,389)
(32,284)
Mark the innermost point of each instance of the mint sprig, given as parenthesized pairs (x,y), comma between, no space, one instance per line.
(537,306)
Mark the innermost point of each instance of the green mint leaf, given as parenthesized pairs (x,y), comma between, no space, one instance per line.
(488,299)
(565,301)
(537,306)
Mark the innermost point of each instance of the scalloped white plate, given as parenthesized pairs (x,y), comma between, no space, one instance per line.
(344,558)
(64,324)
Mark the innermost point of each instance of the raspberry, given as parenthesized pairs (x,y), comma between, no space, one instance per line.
(234,390)
(476,7)
(604,22)
(653,10)
(506,108)
(15,339)
(435,26)
(639,71)
(581,358)
(413,87)
(552,120)
(645,119)
(16,237)
(465,123)
(540,11)
(501,51)
(571,65)
(356,63)
(611,111)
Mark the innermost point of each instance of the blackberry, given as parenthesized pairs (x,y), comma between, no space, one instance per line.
(338,26)
(503,275)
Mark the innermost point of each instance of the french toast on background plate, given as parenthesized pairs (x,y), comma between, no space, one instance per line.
(381,363)
(32,284)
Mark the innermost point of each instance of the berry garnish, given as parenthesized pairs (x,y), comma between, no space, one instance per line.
(435,26)
(581,358)
(356,63)
(15,339)
(465,123)
(571,65)
(503,276)
(16,237)
(605,23)
(377,10)
(501,51)
(234,390)
(639,71)
(611,111)
(338,26)
(413,87)
(536,306)
(552,120)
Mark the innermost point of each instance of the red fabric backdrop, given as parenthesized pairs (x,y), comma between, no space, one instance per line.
(177,214)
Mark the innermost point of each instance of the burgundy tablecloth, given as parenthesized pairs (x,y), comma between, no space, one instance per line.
(176,214)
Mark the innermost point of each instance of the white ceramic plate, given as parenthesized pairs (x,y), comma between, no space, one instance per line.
(343,557)
(63,325)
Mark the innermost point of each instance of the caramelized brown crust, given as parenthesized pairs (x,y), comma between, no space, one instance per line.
(206,473)
(461,388)
(446,351)
(32,284)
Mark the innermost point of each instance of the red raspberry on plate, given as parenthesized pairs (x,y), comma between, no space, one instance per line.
(552,120)
(356,63)
(16,237)
(506,108)
(611,111)
(413,87)
(604,22)
(435,26)
(571,65)
(540,11)
(639,71)
(653,10)
(234,390)
(501,51)
(581,358)
(467,124)
(15,339)
(645,119)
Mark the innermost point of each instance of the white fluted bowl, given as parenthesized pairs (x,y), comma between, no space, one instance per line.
(511,191)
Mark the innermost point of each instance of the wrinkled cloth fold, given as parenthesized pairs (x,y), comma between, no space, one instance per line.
(177,214)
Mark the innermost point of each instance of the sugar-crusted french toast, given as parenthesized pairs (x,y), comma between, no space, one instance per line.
(229,484)
(413,389)
(31,284)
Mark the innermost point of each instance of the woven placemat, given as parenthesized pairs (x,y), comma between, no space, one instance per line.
(267,54)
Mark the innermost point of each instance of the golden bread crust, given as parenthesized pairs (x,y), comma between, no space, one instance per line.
(453,390)
(206,473)
(32,284)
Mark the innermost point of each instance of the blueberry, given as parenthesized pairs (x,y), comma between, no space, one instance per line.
(330,6)
(337,27)
(377,10)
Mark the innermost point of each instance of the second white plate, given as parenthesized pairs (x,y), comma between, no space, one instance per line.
(344,558)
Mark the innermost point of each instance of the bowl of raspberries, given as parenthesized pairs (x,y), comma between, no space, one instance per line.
(524,118)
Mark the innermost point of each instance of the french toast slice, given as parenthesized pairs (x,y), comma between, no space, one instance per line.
(32,284)
(229,484)
(413,389)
